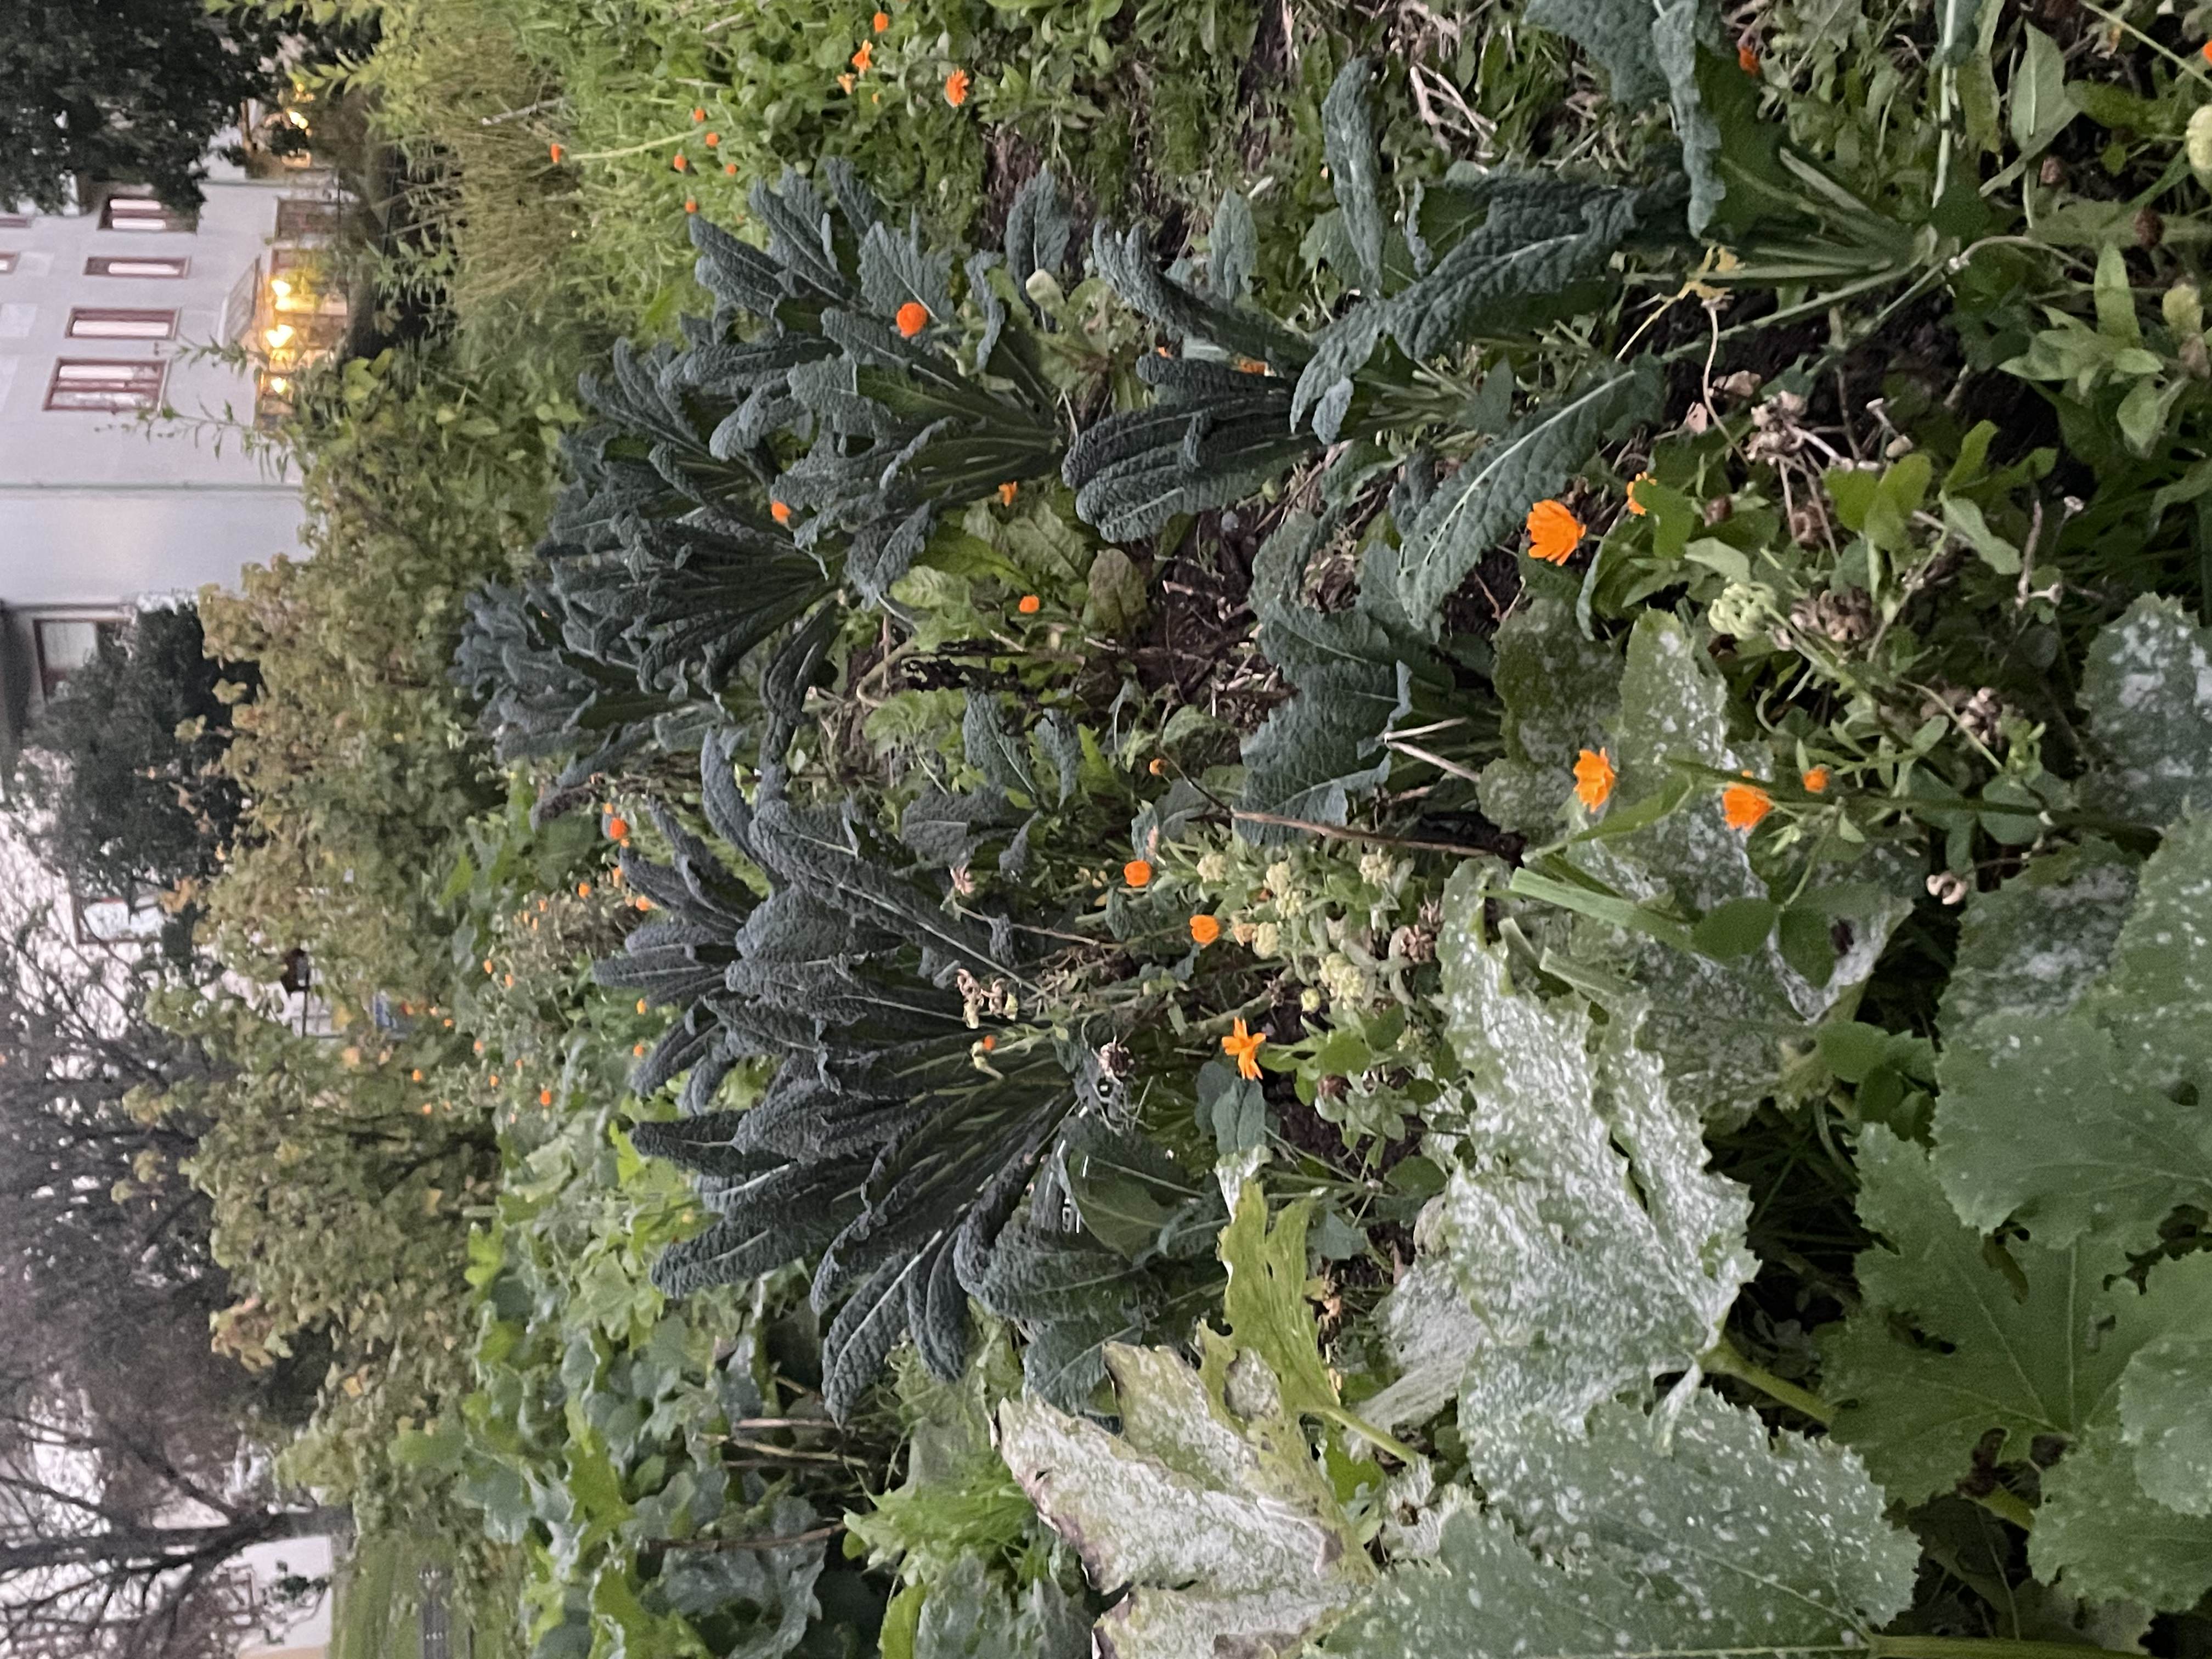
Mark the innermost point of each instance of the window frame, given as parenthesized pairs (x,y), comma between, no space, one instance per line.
(118,316)
(134,369)
(175,267)
(155,218)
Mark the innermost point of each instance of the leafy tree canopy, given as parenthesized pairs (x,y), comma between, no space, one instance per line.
(123,91)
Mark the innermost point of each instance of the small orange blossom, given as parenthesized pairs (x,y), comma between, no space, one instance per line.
(865,56)
(1138,872)
(556,152)
(912,318)
(1815,780)
(1204,929)
(1593,778)
(882,20)
(780,511)
(1243,1047)
(712,139)
(1029,605)
(1553,533)
(1635,505)
(1743,804)
(679,160)
(617,827)
(1006,493)
(956,88)
(1747,59)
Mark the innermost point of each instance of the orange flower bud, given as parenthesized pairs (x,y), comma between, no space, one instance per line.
(698,114)
(1204,929)
(583,889)
(1815,780)
(780,511)
(1747,59)
(712,139)
(617,827)
(882,19)
(1029,605)
(556,152)
(679,160)
(690,204)
(912,318)
(545,1096)
(1138,872)
(1006,493)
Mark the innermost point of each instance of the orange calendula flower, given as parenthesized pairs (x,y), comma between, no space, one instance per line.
(637,1048)
(416,1075)
(987,1043)
(729,166)
(583,889)
(1635,505)
(1006,493)
(545,1096)
(1138,872)
(1593,778)
(1243,1047)
(488,964)
(1815,780)
(2206,49)
(617,827)
(865,56)
(556,152)
(1553,533)
(882,20)
(690,205)
(680,162)
(1747,59)
(479,1045)
(698,114)
(956,88)
(1029,605)
(1204,929)
(912,318)
(780,511)
(1743,804)
(494,1080)
(712,139)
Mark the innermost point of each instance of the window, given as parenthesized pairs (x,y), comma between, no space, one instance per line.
(7,263)
(94,323)
(140,213)
(137,267)
(297,217)
(107,384)
(66,644)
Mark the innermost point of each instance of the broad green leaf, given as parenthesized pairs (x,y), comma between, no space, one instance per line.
(1678,30)
(2041,107)
(1734,927)
(2034,1343)
(2166,1417)
(1487,499)
(2077,1123)
(1617,34)
(2035,945)
(1717,1025)
(1323,746)
(1265,1301)
(2099,1529)
(1559,693)
(1587,1246)
(1966,521)
(1225,1533)
(2147,686)
(968,1614)
(1347,137)
(1709,1539)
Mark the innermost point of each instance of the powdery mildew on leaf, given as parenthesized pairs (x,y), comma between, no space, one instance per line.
(1717,1025)
(1561,692)
(1717,1541)
(1580,1271)
(2099,1529)
(2036,944)
(1224,1534)
(2078,1124)
(2147,686)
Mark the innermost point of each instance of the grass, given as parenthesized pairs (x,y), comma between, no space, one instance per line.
(378,1602)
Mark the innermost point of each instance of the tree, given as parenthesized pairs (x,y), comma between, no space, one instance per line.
(123,91)
(124,761)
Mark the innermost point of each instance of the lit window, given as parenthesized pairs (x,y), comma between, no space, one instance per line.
(140,213)
(130,267)
(110,385)
(92,322)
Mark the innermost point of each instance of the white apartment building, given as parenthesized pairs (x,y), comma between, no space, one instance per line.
(100,311)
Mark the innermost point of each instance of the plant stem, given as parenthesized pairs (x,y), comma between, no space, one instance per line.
(1971,1647)
(1338,832)
(1722,1359)
(1373,1436)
